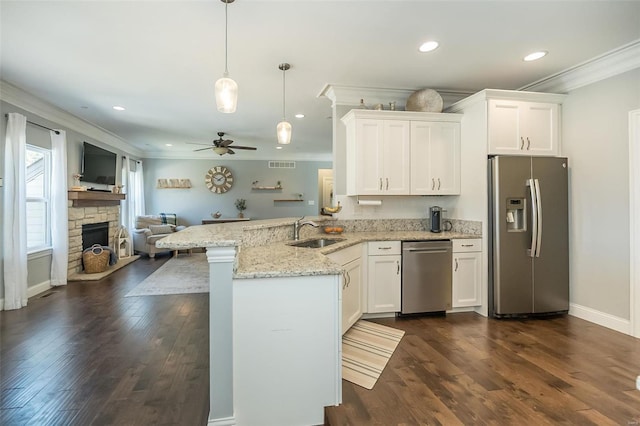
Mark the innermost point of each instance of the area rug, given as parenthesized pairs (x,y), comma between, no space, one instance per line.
(179,275)
(366,349)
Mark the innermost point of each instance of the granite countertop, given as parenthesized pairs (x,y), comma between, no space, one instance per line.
(283,260)
(280,259)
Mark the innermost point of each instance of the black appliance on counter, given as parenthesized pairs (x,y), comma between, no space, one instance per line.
(435,213)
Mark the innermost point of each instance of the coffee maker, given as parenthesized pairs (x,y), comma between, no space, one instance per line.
(435,213)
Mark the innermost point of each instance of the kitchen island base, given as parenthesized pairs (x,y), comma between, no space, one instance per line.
(287,349)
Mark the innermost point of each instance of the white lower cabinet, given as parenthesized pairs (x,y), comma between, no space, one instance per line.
(384,276)
(351,261)
(467,273)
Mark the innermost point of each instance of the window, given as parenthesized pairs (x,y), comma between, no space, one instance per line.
(38,192)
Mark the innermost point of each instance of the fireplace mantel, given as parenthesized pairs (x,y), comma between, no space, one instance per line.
(94,198)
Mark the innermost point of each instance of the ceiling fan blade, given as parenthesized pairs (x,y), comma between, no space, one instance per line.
(202,149)
(252,148)
(230,151)
(226,142)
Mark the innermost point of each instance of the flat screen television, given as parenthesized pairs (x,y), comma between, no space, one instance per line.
(98,165)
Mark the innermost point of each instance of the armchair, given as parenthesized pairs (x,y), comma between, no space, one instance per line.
(151,228)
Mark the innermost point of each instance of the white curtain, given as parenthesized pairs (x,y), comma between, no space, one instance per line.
(124,204)
(135,194)
(59,217)
(15,205)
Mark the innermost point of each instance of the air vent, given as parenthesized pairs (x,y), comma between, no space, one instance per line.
(282,164)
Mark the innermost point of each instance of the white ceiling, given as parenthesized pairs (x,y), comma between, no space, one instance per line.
(161,59)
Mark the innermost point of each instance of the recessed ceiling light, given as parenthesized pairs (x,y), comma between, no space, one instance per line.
(535,55)
(278,147)
(168,144)
(428,46)
(299,115)
(118,108)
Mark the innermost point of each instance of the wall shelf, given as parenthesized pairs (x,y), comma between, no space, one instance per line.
(266,188)
(173,184)
(287,201)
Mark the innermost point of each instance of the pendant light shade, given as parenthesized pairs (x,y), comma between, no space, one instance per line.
(226,89)
(226,94)
(283,131)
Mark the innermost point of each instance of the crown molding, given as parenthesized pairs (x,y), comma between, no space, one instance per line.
(612,63)
(516,95)
(28,102)
(351,95)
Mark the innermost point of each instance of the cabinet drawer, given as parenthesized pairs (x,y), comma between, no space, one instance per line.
(346,255)
(471,244)
(380,248)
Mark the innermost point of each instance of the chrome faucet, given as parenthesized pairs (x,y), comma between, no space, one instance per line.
(297,225)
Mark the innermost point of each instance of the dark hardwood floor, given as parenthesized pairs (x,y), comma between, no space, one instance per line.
(86,355)
(465,369)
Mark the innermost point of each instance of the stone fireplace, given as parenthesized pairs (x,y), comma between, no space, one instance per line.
(84,215)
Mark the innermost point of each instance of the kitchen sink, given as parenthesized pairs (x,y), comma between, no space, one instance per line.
(317,243)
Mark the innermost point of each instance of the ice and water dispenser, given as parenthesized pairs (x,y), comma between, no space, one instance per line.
(516,215)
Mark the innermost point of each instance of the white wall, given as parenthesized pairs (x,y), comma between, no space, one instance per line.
(596,141)
(197,203)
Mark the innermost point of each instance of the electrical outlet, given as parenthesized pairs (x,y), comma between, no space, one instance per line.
(312,202)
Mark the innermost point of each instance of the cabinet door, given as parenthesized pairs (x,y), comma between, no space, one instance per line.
(384,283)
(351,294)
(396,158)
(540,128)
(523,128)
(467,277)
(369,142)
(504,127)
(435,158)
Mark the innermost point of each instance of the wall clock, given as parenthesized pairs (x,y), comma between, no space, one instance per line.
(219,179)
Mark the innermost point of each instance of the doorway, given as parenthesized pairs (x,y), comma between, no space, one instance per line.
(325,188)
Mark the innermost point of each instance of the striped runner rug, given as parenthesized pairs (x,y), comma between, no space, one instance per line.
(366,348)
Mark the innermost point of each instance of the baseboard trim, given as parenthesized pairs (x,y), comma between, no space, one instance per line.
(601,318)
(38,288)
(225,421)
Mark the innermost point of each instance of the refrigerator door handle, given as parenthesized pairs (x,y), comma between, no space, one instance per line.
(539,208)
(534,218)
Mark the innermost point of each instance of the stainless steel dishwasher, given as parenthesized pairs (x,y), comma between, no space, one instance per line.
(426,276)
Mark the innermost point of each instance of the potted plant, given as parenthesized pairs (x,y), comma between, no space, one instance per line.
(241,205)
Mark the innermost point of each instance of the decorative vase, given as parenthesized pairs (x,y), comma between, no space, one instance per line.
(240,215)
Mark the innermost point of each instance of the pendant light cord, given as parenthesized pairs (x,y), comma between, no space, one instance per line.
(283,94)
(226,37)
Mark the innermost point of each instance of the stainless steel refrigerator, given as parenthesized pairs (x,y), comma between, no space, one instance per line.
(529,236)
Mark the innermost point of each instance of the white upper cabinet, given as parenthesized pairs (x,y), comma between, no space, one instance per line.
(523,127)
(402,153)
(381,151)
(435,158)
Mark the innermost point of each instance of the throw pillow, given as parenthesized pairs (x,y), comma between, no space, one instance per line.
(161,229)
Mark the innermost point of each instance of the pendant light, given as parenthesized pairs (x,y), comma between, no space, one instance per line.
(284,127)
(226,88)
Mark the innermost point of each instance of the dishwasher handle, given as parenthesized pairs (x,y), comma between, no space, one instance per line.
(426,250)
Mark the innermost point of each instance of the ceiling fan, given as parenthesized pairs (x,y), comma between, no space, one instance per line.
(221,146)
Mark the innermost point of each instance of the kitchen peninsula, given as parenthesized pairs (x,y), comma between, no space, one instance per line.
(275,314)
